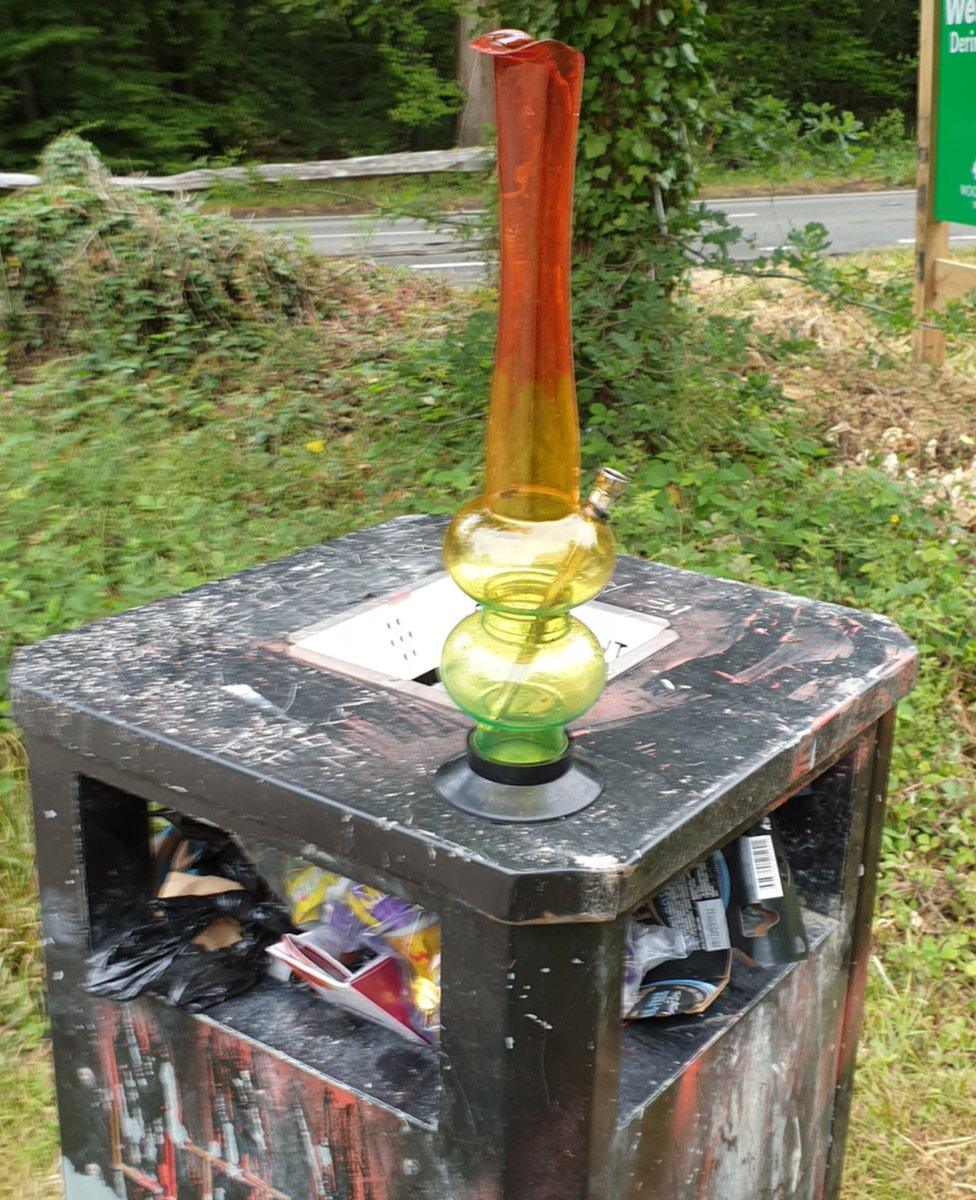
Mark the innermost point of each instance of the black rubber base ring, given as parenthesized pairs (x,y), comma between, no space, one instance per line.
(519,803)
(519,774)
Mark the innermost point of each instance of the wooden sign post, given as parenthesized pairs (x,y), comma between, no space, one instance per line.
(946,184)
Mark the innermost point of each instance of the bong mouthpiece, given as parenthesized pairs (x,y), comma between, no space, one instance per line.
(608,487)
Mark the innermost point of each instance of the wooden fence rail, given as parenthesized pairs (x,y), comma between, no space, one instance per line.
(421,162)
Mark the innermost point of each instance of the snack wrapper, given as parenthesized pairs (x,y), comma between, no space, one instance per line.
(358,917)
(413,935)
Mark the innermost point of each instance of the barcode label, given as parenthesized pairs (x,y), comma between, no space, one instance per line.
(760,858)
(714,926)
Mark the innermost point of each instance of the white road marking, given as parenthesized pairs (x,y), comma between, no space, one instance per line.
(953,237)
(368,234)
(444,266)
(735,216)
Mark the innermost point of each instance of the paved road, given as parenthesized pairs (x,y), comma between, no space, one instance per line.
(401,242)
(854,221)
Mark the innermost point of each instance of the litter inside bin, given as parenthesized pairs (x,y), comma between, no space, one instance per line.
(692,908)
(357,942)
(221,906)
(367,951)
(765,920)
(371,985)
(741,900)
(200,939)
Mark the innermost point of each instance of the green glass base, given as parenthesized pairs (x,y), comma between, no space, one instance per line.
(518,748)
(515,793)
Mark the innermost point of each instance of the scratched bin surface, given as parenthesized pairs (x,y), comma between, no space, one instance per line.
(201,1113)
(760,700)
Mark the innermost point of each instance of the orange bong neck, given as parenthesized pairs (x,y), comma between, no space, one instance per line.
(533,427)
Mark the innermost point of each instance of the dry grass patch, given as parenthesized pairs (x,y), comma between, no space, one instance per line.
(871,400)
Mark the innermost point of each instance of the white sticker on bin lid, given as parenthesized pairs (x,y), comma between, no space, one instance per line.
(762,871)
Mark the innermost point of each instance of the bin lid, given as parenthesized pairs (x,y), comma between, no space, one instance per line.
(202,700)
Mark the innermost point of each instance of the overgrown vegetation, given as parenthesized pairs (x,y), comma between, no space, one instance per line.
(767,144)
(127,276)
(394,195)
(247,400)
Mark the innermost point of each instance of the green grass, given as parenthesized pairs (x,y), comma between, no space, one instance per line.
(349,197)
(27,1121)
(915,1103)
(165,452)
(893,169)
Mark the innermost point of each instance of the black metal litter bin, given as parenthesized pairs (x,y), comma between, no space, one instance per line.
(234,704)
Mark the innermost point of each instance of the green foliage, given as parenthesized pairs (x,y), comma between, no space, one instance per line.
(840,283)
(764,134)
(167,343)
(396,195)
(87,267)
(846,54)
(806,90)
(641,118)
(158,84)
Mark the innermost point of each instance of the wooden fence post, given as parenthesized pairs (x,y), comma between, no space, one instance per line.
(931,236)
(938,279)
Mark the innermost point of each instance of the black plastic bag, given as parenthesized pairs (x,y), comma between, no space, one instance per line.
(217,853)
(158,954)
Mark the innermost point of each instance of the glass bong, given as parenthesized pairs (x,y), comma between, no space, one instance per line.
(527,550)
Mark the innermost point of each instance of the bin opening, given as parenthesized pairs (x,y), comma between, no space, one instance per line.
(812,831)
(397,640)
(197,936)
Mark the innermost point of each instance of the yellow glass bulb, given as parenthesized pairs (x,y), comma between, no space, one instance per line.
(511,561)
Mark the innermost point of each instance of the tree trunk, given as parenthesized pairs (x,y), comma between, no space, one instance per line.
(474,75)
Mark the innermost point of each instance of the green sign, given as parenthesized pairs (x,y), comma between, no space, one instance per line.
(955,116)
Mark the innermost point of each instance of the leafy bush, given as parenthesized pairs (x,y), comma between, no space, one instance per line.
(122,275)
(763,133)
